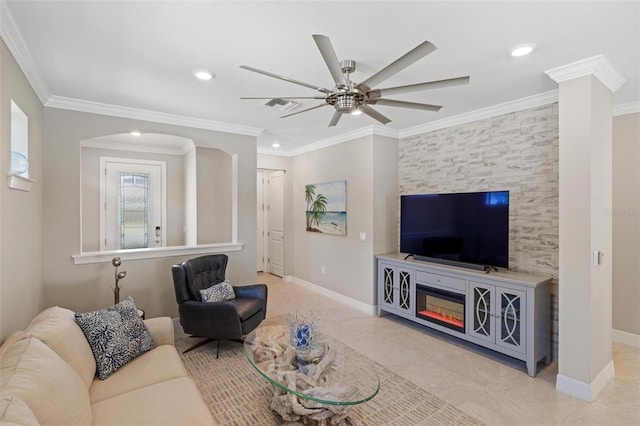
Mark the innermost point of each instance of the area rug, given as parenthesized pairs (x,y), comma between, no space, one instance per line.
(237,395)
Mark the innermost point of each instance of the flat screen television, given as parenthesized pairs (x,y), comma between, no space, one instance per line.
(469,229)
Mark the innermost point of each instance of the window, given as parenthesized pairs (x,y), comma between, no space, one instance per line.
(132,193)
(19,141)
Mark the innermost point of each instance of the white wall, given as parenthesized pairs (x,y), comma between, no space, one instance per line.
(626,224)
(87,287)
(213,169)
(349,262)
(21,288)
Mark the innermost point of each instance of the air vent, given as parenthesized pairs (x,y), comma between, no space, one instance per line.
(280,103)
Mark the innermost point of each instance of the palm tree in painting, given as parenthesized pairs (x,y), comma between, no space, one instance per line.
(316,208)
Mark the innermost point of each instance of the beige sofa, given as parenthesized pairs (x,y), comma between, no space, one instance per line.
(47,376)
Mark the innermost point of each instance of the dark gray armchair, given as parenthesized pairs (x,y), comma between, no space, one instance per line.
(228,320)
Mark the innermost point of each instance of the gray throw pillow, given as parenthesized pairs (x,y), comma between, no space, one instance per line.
(116,335)
(218,292)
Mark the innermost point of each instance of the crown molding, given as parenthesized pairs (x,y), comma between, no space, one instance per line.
(484,113)
(18,48)
(630,108)
(154,116)
(598,66)
(344,137)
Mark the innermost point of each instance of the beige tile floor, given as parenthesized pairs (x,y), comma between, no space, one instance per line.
(488,386)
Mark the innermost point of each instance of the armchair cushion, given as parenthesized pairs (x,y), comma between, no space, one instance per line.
(202,272)
(218,292)
(116,335)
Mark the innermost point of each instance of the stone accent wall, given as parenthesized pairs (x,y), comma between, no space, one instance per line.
(516,152)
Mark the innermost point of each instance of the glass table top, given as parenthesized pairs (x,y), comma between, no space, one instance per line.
(328,373)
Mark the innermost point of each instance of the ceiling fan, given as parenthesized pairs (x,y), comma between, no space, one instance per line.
(348,97)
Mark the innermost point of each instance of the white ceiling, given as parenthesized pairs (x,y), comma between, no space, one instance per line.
(142,55)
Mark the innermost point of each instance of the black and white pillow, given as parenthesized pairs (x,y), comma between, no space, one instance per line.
(218,292)
(116,335)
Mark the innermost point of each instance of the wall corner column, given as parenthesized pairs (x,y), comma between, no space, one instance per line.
(585,363)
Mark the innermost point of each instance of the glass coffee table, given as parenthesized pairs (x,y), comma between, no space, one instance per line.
(320,384)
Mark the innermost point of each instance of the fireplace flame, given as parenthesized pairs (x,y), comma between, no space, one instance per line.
(450,319)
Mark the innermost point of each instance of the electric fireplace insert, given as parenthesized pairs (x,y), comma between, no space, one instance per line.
(441,307)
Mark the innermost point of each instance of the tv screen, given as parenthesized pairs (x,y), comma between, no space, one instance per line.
(471,228)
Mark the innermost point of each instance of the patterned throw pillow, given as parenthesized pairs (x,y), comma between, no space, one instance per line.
(116,335)
(218,292)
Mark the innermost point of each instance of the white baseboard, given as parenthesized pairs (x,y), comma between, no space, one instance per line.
(626,338)
(355,304)
(585,391)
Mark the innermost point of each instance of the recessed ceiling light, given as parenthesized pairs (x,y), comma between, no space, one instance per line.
(523,49)
(275,145)
(203,75)
(136,133)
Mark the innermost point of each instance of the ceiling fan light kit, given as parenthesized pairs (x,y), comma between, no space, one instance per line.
(348,97)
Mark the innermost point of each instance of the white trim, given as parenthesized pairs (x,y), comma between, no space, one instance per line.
(345,137)
(18,48)
(20,183)
(152,253)
(630,108)
(626,338)
(234,198)
(356,304)
(585,391)
(154,116)
(598,66)
(119,146)
(483,113)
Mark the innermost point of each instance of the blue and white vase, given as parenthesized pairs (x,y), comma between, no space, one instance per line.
(302,329)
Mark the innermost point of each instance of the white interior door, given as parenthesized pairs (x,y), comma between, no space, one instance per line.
(260,202)
(275,222)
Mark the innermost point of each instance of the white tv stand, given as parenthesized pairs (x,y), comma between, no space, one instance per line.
(506,311)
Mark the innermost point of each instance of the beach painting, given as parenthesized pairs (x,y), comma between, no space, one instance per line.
(326,207)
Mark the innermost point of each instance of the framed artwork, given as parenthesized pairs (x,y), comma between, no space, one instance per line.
(326,207)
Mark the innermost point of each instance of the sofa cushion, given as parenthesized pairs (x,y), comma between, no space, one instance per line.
(13,337)
(218,292)
(161,329)
(173,402)
(14,411)
(54,392)
(157,365)
(116,335)
(56,328)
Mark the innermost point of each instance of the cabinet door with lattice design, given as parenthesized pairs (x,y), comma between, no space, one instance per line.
(481,311)
(511,325)
(406,291)
(387,293)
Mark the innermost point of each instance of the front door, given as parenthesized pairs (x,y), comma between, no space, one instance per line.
(132,198)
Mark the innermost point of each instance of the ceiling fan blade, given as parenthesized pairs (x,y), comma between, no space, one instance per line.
(403,104)
(419,86)
(282,97)
(374,114)
(330,58)
(305,110)
(290,80)
(418,52)
(335,118)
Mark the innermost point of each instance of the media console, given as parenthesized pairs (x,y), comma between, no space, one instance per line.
(506,311)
